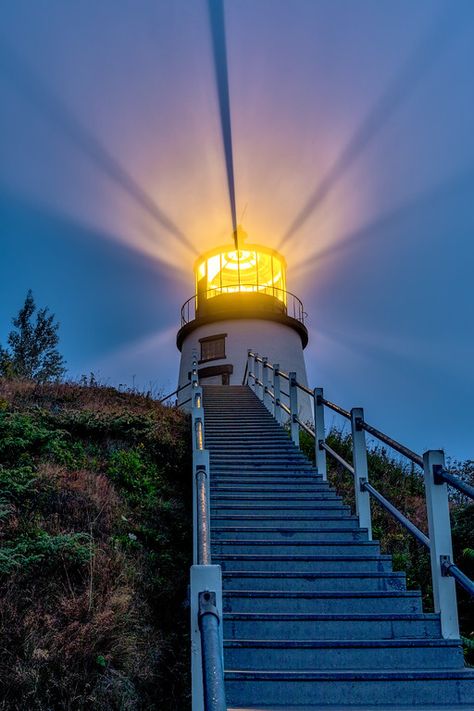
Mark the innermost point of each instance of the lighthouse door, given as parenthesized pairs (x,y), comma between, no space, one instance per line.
(215,374)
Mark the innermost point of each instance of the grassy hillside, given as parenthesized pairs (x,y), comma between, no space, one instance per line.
(403,487)
(95,548)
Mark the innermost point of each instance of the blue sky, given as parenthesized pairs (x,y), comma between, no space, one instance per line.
(353,153)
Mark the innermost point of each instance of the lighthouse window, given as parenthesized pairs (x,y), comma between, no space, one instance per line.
(213,347)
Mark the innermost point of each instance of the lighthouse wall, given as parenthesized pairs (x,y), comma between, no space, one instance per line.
(278,342)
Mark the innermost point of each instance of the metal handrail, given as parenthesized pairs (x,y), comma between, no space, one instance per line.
(244,377)
(287,302)
(389,441)
(203,537)
(396,514)
(400,448)
(336,456)
(455,482)
(213,670)
(449,568)
(285,408)
(304,388)
(175,392)
(434,473)
(368,487)
(304,426)
(334,407)
(206,584)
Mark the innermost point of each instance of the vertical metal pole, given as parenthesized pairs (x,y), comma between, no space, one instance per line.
(250,382)
(359,455)
(276,391)
(194,373)
(295,429)
(200,475)
(212,663)
(319,434)
(265,379)
(258,374)
(203,578)
(441,547)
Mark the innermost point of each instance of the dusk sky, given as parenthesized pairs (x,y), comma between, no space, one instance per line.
(353,150)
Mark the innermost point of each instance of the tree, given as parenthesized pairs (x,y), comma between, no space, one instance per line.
(32,354)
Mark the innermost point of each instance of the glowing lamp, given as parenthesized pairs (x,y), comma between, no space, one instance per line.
(253,269)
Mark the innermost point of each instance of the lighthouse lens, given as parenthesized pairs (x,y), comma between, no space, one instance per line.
(241,271)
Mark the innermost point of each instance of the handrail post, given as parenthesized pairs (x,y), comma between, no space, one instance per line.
(265,380)
(249,369)
(319,434)
(204,578)
(194,372)
(359,455)
(211,644)
(294,427)
(258,388)
(441,547)
(277,412)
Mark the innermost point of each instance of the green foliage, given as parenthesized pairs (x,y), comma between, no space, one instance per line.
(17,483)
(21,438)
(44,550)
(32,352)
(24,438)
(136,476)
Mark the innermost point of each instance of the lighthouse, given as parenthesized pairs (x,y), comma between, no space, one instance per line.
(241,303)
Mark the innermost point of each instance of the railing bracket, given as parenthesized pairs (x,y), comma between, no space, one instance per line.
(207,604)
(438,475)
(446,563)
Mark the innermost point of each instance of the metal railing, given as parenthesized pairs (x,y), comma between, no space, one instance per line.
(207,664)
(285,302)
(175,392)
(265,380)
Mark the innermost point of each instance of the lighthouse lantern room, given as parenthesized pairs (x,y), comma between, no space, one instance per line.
(241,302)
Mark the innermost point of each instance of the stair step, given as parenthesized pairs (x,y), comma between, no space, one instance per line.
(334,548)
(313,582)
(349,687)
(266,505)
(246,533)
(297,563)
(290,496)
(265,479)
(301,521)
(278,625)
(332,601)
(269,487)
(356,655)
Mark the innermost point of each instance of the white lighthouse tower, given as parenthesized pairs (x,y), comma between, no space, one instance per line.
(241,302)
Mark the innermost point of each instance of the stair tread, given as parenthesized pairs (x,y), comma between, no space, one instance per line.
(344,644)
(350,675)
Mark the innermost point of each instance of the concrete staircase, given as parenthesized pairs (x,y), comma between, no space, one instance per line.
(314,616)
